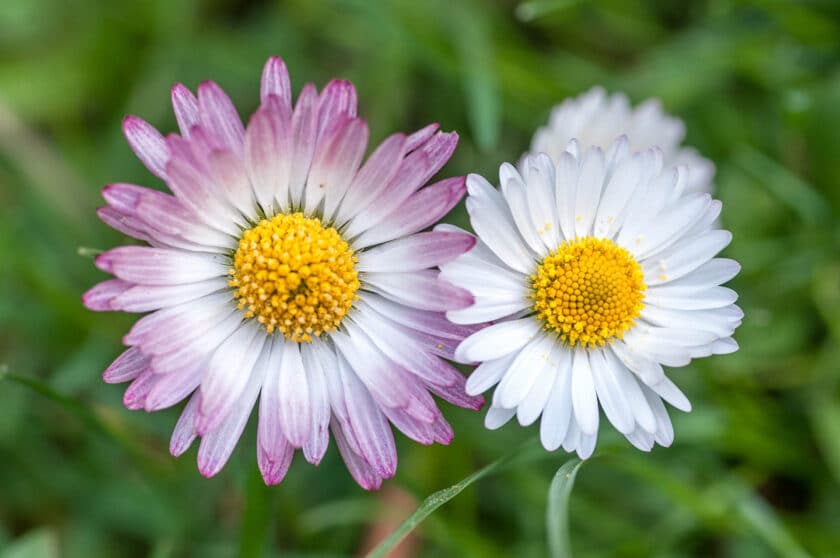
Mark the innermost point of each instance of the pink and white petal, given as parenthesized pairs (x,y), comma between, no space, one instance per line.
(419,431)
(420,137)
(584,398)
(217,446)
(268,154)
(335,164)
(100,296)
(422,290)
(126,367)
(416,252)
(337,102)
(171,389)
(319,401)
(184,432)
(372,178)
(135,394)
(432,323)
(228,170)
(370,427)
(126,224)
(275,82)
(304,136)
(497,340)
(295,413)
(227,375)
(146,298)
(185,106)
(217,113)
(159,266)
(274,453)
(147,143)
(455,394)
(362,473)
(421,210)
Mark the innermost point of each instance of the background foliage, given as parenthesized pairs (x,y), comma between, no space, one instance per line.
(755,468)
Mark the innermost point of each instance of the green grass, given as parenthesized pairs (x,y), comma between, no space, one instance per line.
(755,469)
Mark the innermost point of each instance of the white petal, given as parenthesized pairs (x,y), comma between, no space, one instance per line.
(497,340)
(584,399)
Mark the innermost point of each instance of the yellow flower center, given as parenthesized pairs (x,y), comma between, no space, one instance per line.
(589,290)
(295,276)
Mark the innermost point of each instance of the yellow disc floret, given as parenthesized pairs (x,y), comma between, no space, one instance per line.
(295,276)
(589,291)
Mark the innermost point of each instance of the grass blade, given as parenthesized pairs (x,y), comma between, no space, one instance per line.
(557,512)
(439,498)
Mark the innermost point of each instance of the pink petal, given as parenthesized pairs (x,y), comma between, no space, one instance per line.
(174,387)
(373,177)
(159,266)
(420,137)
(420,289)
(217,113)
(99,297)
(217,446)
(126,367)
(418,212)
(295,413)
(304,135)
(370,428)
(275,82)
(227,375)
(413,253)
(185,106)
(268,154)
(147,143)
(146,298)
(337,100)
(136,393)
(361,472)
(274,453)
(335,165)
(184,432)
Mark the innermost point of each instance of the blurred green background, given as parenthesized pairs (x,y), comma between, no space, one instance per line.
(755,469)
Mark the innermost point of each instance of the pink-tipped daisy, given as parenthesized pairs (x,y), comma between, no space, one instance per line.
(597,119)
(285,270)
(595,273)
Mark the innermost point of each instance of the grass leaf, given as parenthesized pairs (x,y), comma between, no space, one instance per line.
(557,512)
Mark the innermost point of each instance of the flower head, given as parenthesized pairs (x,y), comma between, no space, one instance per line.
(595,272)
(284,269)
(597,119)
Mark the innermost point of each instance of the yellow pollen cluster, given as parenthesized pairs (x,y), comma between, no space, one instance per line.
(589,290)
(295,276)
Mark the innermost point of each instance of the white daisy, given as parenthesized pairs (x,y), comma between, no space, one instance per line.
(597,119)
(284,269)
(594,274)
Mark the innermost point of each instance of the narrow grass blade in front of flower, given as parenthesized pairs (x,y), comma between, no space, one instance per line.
(557,513)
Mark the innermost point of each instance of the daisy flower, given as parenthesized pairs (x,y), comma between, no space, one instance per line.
(597,119)
(595,273)
(282,269)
